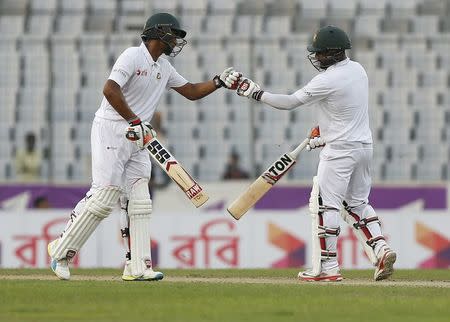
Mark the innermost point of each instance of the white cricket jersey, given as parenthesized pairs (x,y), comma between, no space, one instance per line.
(142,81)
(342,94)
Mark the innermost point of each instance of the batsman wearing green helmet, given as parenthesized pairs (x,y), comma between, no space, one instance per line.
(340,95)
(120,133)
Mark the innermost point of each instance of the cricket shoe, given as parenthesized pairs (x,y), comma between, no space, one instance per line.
(385,266)
(149,274)
(59,267)
(332,275)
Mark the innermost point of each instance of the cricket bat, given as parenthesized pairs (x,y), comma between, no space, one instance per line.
(177,173)
(264,182)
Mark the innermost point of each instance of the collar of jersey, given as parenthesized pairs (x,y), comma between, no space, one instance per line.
(148,56)
(341,63)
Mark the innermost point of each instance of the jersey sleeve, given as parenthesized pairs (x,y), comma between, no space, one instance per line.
(123,68)
(316,90)
(175,79)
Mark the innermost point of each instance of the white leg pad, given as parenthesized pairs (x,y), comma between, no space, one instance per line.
(320,232)
(97,207)
(367,229)
(139,211)
(125,224)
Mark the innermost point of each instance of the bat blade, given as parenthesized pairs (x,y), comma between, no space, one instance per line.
(264,182)
(177,173)
(186,183)
(249,198)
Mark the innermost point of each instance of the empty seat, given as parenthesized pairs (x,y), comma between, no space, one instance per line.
(342,9)
(164,5)
(395,25)
(433,79)
(117,43)
(313,8)
(431,7)
(103,6)
(248,25)
(43,6)
(183,131)
(12,25)
(70,23)
(386,42)
(426,25)
(401,9)
(134,7)
(10,67)
(222,7)
(13,7)
(395,172)
(130,23)
(194,6)
(63,105)
(371,7)
(426,173)
(219,25)
(193,24)
(367,25)
(278,25)
(70,6)
(212,130)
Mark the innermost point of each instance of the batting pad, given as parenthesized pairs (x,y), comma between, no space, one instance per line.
(97,208)
(375,231)
(139,211)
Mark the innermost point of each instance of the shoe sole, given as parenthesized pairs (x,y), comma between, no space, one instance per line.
(388,267)
(336,278)
(140,279)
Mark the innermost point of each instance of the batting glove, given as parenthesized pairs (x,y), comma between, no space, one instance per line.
(249,88)
(140,133)
(315,140)
(229,78)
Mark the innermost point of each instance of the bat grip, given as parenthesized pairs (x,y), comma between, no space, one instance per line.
(298,149)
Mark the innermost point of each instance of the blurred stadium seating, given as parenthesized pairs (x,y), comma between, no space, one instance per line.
(55,56)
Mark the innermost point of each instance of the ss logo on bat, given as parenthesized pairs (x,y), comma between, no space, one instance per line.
(159,152)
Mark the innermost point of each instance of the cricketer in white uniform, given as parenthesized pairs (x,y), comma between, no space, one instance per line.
(120,132)
(342,185)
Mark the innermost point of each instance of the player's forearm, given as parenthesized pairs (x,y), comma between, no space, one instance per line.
(281,101)
(196,91)
(115,97)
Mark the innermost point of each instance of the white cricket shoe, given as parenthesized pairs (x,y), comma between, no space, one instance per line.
(332,275)
(149,274)
(59,267)
(385,266)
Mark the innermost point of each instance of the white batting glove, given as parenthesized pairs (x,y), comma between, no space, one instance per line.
(315,140)
(249,88)
(229,78)
(140,133)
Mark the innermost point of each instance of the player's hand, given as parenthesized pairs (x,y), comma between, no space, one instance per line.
(315,140)
(249,88)
(140,133)
(229,78)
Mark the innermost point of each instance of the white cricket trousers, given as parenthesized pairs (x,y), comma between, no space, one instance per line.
(344,173)
(115,160)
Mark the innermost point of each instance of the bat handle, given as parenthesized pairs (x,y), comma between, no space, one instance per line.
(298,149)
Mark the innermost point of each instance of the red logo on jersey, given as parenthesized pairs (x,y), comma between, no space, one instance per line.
(141,72)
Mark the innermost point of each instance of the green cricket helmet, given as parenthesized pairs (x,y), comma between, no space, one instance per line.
(165,27)
(330,41)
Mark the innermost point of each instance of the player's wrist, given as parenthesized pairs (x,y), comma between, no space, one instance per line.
(257,95)
(218,82)
(134,121)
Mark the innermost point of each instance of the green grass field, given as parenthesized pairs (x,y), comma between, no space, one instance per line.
(223,295)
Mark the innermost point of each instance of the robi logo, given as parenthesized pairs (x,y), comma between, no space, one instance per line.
(140,72)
